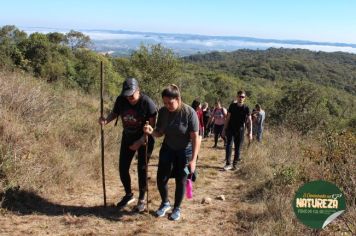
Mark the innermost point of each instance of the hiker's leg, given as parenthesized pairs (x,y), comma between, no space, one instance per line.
(238,141)
(228,147)
(220,129)
(181,163)
(206,129)
(216,135)
(141,166)
(223,138)
(126,155)
(259,134)
(165,165)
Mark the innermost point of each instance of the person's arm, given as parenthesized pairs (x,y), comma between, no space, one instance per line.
(108,119)
(227,120)
(249,127)
(141,141)
(201,121)
(115,112)
(261,116)
(196,141)
(147,129)
(210,120)
(224,112)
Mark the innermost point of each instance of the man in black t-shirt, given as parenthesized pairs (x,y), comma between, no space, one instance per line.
(134,108)
(238,116)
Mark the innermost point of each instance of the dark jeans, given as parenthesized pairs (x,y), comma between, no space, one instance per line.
(217,133)
(173,161)
(126,156)
(207,128)
(238,138)
(259,133)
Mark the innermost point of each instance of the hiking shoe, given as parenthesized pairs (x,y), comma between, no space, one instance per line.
(175,214)
(140,207)
(126,200)
(235,167)
(165,206)
(228,167)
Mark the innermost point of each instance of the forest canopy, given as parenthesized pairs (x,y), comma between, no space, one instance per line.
(317,87)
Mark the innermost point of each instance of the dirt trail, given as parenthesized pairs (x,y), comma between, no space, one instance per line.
(81,213)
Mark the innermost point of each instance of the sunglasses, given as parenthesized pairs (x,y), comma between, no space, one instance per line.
(241,96)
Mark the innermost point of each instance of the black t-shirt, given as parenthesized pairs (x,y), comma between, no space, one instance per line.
(134,117)
(206,116)
(238,116)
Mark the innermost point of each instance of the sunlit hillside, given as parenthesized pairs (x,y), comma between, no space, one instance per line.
(51,181)
(50,156)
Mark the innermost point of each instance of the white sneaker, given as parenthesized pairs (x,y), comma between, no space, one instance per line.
(165,206)
(228,167)
(126,200)
(235,167)
(141,207)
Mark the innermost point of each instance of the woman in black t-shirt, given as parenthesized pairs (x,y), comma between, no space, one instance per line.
(134,108)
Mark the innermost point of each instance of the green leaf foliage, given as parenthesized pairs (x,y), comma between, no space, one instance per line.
(330,69)
(303,90)
(155,67)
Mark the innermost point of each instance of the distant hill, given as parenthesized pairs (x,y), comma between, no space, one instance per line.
(122,42)
(331,69)
(323,84)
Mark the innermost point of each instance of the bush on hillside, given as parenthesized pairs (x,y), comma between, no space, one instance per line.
(155,68)
(301,107)
(336,161)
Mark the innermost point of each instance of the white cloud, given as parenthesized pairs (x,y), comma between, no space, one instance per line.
(189,41)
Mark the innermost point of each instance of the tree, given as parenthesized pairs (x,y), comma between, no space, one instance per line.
(47,59)
(11,35)
(37,49)
(156,67)
(57,38)
(222,88)
(302,107)
(10,55)
(76,39)
(87,73)
(123,66)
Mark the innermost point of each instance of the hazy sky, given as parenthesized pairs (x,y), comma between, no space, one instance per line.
(316,20)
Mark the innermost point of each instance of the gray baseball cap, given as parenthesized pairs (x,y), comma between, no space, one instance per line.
(129,87)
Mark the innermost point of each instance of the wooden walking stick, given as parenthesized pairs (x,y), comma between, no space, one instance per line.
(102,131)
(146,160)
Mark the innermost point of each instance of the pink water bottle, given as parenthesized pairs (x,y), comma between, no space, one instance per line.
(189,189)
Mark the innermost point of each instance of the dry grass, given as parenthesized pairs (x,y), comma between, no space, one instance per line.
(47,135)
(50,175)
(277,168)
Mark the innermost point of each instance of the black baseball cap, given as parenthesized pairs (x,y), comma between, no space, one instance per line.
(129,87)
